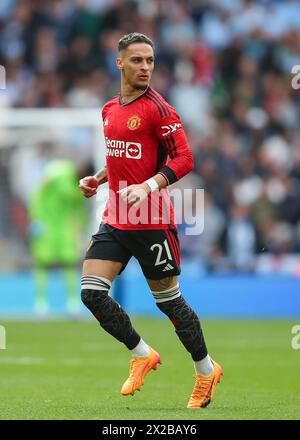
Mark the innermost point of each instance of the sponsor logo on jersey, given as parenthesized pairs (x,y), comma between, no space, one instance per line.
(113,143)
(171,128)
(133,150)
(134,122)
(116,148)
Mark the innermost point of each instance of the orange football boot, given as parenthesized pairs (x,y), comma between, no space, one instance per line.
(204,388)
(139,368)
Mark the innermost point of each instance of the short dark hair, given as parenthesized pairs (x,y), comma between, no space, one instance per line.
(132,38)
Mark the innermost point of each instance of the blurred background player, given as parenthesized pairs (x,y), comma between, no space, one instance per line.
(57,222)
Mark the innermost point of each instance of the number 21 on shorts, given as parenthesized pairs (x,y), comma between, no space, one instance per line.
(160,247)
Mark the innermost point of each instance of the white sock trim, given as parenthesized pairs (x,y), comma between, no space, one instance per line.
(95,283)
(141,350)
(168,290)
(167,295)
(161,300)
(204,367)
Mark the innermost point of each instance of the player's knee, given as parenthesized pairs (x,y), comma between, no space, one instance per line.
(172,304)
(93,288)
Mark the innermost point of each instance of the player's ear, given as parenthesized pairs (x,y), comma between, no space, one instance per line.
(119,63)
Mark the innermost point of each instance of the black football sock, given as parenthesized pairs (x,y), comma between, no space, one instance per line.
(184,319)
(111,316)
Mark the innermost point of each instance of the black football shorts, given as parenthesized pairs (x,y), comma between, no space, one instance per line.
(157,251)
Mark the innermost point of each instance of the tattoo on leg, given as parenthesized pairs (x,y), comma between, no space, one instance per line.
(164,283)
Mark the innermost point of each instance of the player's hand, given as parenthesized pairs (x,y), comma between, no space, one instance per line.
(134,195)
(88,186)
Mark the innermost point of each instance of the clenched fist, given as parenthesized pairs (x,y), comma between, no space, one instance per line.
(88,186)
(134,195)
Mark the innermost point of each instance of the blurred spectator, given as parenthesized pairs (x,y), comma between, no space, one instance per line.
(225,66)
(241,242)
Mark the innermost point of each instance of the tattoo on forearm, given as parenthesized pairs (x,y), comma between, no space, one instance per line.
(101,174)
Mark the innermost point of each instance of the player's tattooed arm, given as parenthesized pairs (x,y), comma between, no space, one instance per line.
(101,175)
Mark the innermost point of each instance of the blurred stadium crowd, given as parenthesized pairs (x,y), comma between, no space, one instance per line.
(226,67)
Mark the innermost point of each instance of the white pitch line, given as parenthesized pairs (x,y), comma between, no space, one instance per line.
(68,362)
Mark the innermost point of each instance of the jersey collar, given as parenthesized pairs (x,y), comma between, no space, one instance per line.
(135,99)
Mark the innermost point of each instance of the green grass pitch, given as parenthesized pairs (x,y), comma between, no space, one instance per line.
(74,370)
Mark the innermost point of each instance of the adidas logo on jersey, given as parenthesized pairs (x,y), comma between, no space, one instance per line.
(168,267)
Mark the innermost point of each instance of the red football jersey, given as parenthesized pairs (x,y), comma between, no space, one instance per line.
(140,137)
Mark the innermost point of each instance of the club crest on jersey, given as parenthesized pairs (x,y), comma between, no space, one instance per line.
(134,122)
